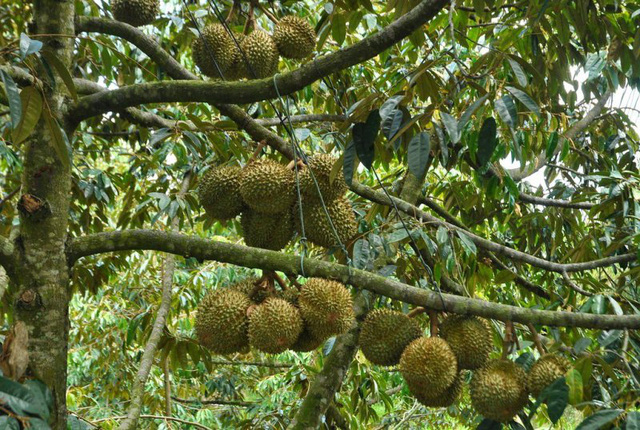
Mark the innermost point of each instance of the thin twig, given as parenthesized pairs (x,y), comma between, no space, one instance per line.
(573,285)
(215,402)
(536,339)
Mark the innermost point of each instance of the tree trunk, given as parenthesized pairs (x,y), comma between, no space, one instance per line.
(42,272)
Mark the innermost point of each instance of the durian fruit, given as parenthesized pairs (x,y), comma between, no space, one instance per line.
(498,390)
(544,371)
(248,287)
(294,37)
(274,326)
(261,53)
(429,366)
(215,43)
(448,397)
(266,231)
(219,192)
(135,12)
(266,186)
(321,165)
(326,307)
(470,339)
(307,341)
(385,334)
(221,321)
(317,227)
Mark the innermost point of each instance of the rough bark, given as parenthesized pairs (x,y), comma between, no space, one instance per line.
(41,270)
(258,89)
(205,249)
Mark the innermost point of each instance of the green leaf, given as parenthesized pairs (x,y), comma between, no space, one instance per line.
(520,74)
(28,46)
(389,106)
(57,139)
(599,419)
(574,382)
(633,421)
(15,103)
(391,124)
(556,396)
(9,423)
(487,141)
(364,136)
(507,110)
(339,28)
(552,144)
(467,243)
(55,62)
(418,154)
(21,399)
(350,162)
(361,254)
(466,116)
(451,125)
(31,110)
(525,99)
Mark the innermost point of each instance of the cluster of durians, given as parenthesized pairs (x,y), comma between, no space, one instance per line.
(256,55)
(264,194)
(433,366)
(247,315)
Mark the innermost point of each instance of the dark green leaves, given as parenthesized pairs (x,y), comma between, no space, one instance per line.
(487,142)
(55,62)
(525,99)
(633,421)
(556,396)
(15,104)
(418,154)
(599,419)
(451,125)
(507,110)
(517,70)
(31,110)
(349,162)
(58,139)
(364,136)
(31,400)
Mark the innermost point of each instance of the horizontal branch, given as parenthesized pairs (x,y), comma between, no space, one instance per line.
(214,402)
(206,249)
(487,245)
(297,119)
(251,363)
(259,89)
(528,198)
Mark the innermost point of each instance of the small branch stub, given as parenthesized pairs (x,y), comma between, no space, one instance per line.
(33,207)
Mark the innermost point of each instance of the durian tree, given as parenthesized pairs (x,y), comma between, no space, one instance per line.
(457,179)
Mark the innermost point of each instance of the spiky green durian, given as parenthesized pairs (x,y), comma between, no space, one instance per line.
(326,307)
(267,186)
(317,227)
(248,287)
(219,192)
(385,334)
(265,230)
(470,339)
(429,366)
(135,12)
(307,342)
(445,399)
(544,371)
(294,37)
(498,390)
(274,326)
(321,166)
(261,53)
(221,321)
(215,47)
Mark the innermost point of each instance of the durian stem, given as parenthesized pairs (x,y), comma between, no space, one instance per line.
(251,20)
(433,322)
(258,150)
(231,13)
(294,281)
(280,281)
(536,339)
(507,343)
(417,311)
(268,14)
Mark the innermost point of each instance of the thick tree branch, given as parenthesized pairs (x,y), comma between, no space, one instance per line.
(328,381)
(168,268)
(206,249)
(574,131)
(487,245)
(260,89)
